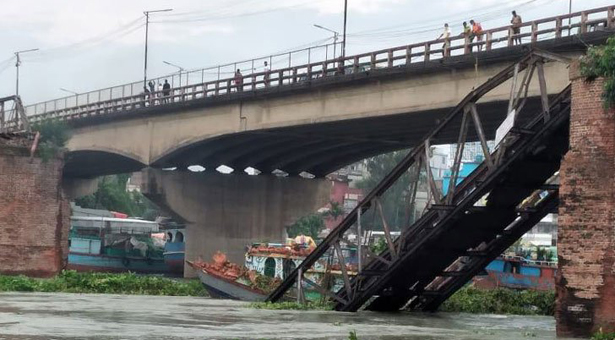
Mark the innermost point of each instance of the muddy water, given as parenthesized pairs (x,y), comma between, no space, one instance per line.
(74,316)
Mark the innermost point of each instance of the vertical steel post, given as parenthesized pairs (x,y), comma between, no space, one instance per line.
(359,242)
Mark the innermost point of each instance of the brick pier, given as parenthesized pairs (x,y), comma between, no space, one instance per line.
(586,236)
(34,216)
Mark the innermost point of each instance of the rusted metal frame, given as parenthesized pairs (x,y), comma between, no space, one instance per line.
(414,185)
(377,257)
(385,226)
(525,85)
(324,291)
(389,179)
(435,194)
(497,247)
(342,260)
(544,95)
(481,135)
(461,140)
(472,197)
(513,88)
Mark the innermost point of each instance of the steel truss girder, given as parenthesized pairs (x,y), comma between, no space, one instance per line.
(393,256)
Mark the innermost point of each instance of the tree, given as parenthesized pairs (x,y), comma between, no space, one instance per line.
(335,211)
(112,195)
(398,211)
(54,134)
(600,62)
(309,225)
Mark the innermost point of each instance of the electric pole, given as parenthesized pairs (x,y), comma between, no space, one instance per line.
(17,64)
(345,18)
(146,36)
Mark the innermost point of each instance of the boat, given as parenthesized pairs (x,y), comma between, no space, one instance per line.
(225,280)
(175,250)
(518,273)
(265,266)
(109,244)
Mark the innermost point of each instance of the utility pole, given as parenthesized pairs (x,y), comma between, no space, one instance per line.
(146,35)
(17,64)
(345,18)
(335,37)
(569,18)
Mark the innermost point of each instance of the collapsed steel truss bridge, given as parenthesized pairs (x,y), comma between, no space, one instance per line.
(460,231)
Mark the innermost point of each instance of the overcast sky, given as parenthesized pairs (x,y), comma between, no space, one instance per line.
(90,44)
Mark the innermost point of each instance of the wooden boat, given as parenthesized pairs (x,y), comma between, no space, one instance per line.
(221,287)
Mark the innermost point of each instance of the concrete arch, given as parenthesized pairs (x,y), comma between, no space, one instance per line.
(90,163)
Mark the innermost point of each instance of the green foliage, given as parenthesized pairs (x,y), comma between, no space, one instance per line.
(309,225)
(112,195)
(54,136)
(353,335)
(103,283)
(501,301)
(395,202)
(600,62)
(335,211)
(291,305)
(379,246)
(600,335)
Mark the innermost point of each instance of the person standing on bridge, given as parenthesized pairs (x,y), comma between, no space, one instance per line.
(166,90)
(147,96)
(238,81)
(266,74)
(516,28)
(477,32)
(447,42)
(152,86)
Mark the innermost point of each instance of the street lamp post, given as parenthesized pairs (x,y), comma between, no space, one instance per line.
(72,92)
(181,69)
(17,64)
(335,37)
(146,35)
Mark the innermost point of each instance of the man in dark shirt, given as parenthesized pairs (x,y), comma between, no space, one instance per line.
(166,90)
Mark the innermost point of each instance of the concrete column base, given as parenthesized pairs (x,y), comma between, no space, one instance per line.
(228,212)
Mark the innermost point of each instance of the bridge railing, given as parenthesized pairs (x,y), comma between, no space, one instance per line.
(311,64)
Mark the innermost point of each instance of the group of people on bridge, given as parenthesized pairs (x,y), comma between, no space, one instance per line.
(475,31)
(163,92)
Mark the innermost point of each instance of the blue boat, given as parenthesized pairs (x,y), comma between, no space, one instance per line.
(108,244)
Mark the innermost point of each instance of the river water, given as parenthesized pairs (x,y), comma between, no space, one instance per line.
(92,316)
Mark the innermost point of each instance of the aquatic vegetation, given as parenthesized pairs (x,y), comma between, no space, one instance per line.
(603,336)
(501,301)
(103,283)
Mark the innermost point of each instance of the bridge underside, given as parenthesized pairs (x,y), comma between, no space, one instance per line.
(316,149)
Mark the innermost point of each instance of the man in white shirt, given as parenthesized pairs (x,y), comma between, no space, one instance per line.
(447,43)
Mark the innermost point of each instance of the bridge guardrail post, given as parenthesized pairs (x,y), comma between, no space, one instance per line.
(466,45)
(427,52)
(610,17)
(534,32)
(583,28)
(488,41)
(511,33)
(558,27)
(390,58)
(372,61)
(408,55)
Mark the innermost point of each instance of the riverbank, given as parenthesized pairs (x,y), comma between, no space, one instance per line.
(104,283)
(500,301)
(466,300)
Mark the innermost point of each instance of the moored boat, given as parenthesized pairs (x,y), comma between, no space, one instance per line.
(110,244)
(518,273)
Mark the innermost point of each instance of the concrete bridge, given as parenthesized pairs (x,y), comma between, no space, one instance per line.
(311,118)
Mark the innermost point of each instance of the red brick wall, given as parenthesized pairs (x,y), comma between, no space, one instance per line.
(34,218)
(586,236)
